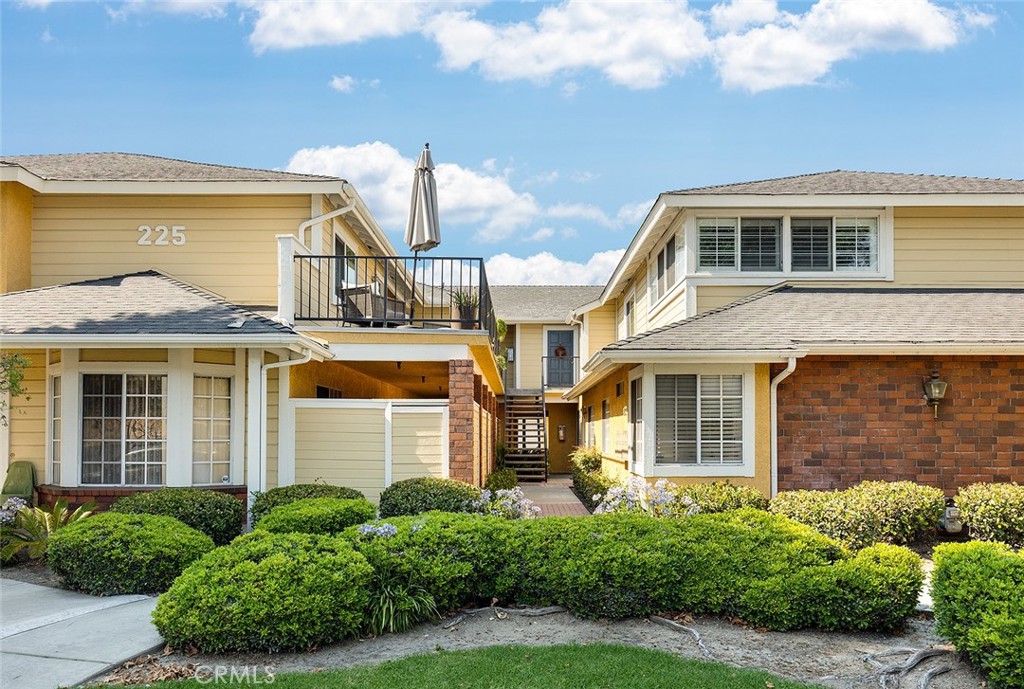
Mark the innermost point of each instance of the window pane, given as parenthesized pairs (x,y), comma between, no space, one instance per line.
(675,426)
(760,242)
(716,242)
(211,425)
(812,243)
(856,243)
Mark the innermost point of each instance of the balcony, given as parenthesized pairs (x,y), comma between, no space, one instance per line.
(384,291)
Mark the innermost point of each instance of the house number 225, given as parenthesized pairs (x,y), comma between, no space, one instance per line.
(161,235)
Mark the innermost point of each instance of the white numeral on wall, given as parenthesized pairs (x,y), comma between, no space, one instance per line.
(161,235)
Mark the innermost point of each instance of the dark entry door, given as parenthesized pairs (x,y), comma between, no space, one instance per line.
(561,359)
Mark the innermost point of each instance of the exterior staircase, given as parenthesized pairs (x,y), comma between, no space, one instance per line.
(526,440)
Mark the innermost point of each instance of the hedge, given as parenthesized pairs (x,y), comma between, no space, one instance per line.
(317,516)
(502,479)
(218,515)
(994,512)
(114,553)
(417,495)
(267,592)
(721,496)
(868,513)
(284,495)
(977,589)
(588,479)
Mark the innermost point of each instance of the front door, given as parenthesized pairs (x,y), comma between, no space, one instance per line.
(561,367)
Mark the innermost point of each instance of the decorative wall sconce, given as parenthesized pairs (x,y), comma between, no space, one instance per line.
(934,391)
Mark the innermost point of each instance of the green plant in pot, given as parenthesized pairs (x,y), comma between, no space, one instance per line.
(466,305)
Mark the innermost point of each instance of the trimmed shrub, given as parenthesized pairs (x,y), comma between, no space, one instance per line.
(721,496)
(994,512)
(284,495)
(114,553)
(502,479)
(418,495)
(979,607)
(218,515)
(267,592)
(868,513)
(318,516)
(588,479)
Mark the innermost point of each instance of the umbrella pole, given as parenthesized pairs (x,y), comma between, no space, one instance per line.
(412,296)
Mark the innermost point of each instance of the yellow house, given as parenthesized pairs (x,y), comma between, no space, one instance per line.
(190,324)
(780,333)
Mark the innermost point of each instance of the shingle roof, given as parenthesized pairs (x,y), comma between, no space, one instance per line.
(846,182)
(146,303)
(791,318)
(550,303)
(136,167)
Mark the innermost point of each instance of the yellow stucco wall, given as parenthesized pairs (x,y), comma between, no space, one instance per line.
(27,416)
(15,237)
(230,247)
(343,447)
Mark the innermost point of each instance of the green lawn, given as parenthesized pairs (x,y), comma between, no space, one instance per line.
(595,666)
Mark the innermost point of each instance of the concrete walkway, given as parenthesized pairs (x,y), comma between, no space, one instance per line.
(52,638)
(555,497)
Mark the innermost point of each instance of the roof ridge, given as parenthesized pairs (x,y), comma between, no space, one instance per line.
(757,181)
(855,172)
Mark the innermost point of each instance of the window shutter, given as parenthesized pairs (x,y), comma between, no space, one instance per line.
(811,240)
(856,242)
(716,242)
(760,240)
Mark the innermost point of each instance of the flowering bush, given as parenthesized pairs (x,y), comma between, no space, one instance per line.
(9,510)
(384,530)
(507,503)
(588,480)
(637,496)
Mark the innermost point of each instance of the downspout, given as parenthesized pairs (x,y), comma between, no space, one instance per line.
(774,414)
(305,225)
(261,484)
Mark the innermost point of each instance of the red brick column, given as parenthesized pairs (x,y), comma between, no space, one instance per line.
(843,420)
(460,419)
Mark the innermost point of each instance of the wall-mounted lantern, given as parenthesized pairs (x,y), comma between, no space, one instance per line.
(934,391)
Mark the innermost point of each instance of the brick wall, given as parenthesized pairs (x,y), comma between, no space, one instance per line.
(472,422)
(848,419)
(48,494)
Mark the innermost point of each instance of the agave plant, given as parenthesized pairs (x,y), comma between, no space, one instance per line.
(33,527)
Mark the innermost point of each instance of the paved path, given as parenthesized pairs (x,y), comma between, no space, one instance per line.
(53,638)
(555,497)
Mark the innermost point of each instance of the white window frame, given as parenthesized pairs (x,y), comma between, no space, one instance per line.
(650,468)
(180,370)
(884,269)
(636,454)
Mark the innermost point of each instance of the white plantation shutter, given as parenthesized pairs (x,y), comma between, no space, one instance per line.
(856,241)
(698,419)
(716,242)
(761,244)
(811,240)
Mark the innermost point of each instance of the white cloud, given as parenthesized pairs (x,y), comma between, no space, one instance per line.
(46,36)
(203,8)
(36,4)
(343,83)
(583,176)
(580,210)
(569,89)
(637,45)
(541,234)
(546,269)
(800,50)
(739,14)
(383,178)
(632,214)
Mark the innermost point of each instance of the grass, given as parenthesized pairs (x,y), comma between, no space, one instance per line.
(593,666)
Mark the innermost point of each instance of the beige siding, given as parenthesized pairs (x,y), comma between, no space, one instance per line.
(713,296)
(343,447)
(273,385)
(230,247)
(416,445)
(601,329)
(959,246)
(531,349)
(27,416)
(672,310)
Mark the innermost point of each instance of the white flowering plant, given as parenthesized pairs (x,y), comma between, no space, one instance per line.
(637,496)
(509,503)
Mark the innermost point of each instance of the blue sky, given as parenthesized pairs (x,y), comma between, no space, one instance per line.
(554,125)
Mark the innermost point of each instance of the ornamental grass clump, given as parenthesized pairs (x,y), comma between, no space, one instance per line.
(979,606)
(267,592)
(318,516)
(994,512)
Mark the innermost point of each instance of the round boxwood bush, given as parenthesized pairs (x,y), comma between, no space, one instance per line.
(114,553)
(318,516)
(502,479)
(218,515)
(722,496)
(284,495)
(994,512)
(417,495)
(267,592)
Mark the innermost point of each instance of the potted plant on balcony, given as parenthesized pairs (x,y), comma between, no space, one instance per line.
(466,304)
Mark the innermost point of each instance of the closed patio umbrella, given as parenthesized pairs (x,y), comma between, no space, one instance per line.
(424,229)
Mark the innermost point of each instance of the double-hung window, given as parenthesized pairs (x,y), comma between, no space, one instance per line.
(751,244)
(699,419)
(346,272)
(124,429)
(834,244)
(629,317)
(665,275)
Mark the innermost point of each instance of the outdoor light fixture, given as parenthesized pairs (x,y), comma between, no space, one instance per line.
(934,391)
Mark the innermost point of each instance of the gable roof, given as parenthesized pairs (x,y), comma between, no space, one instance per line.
(540,303)
(847,182)
(137,167)
(142,306)
(796,318)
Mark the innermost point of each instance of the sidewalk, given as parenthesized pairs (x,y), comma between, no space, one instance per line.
(555,497)
(51,638)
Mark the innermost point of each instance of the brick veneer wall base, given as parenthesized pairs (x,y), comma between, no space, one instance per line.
(460,419)
(843,420)
(48,494)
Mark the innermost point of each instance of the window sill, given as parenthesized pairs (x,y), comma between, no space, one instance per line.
(704,470)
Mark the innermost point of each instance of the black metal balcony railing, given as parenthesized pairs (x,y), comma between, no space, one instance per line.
(394,291)
(559,371)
